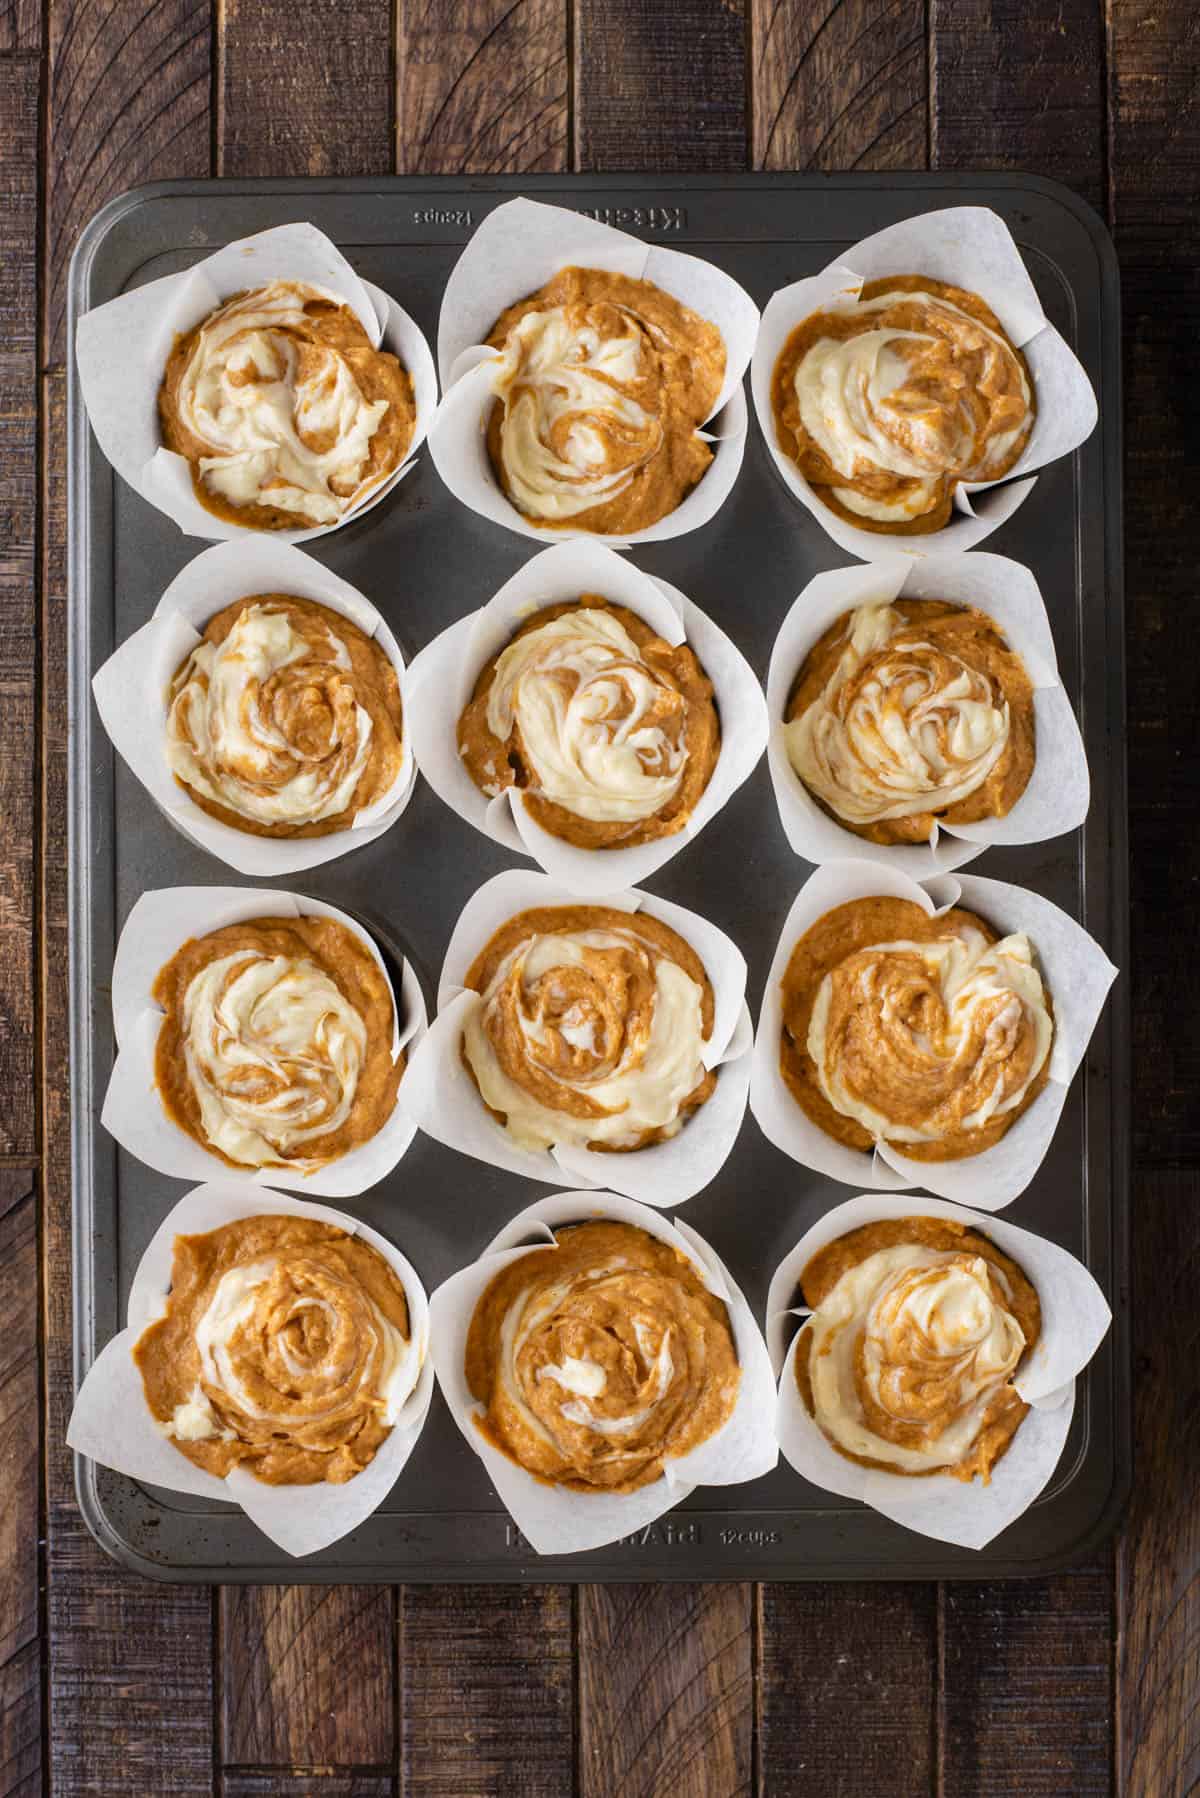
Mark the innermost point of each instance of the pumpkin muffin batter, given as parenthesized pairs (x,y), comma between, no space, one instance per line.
(285,719)
(287,413)
(276,1046)
(928,1033)
(590,1028)
(611,733)
(918,1327)
(911,714)
(601,1359)
(886,402)
(600,389)
(285,1349)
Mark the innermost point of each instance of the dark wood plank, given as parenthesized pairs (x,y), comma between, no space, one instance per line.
(313,1782)
(19,78)
(20,25)
(1029,1686)
(20,1724)
(20,1424)
(130,1663)
(306,1676)
(481,86)
(1158,1667)
(660,87)
(848,1689)
(304,90)
(839,85)
(129,92)
(1019,84)
(485,1691)
(666,1691)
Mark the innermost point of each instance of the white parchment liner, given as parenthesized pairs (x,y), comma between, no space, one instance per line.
(112,1423)
(515,251)
(439,1093)
(121,351)
(1056,798)
(159,924)
(132,696)
(1075,969)
(1075,1320)
(970,247)
(555,1519)
(442,679)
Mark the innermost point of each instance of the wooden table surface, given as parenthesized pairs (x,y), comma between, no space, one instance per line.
(1058,1688)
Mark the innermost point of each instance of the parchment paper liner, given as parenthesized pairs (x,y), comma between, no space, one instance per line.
(967,246)
(442,679)
(555,1519)
(515,251)
(1056,798)
(159,924)
(112,1423)
(1077,973)
(121,351)
(1075,1320)
(439,1093)
(131,693)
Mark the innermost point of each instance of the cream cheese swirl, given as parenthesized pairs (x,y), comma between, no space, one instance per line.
(922,1041)
(273,1052)
(908,1353)
(587,1036)
(279,410)
(602,732)
(267,723)
(898,401)
(903,725)
(571,435)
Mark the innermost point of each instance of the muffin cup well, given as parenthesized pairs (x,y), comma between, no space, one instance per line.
(439,1093)
(516,250)
(111,1422)
(556,1519)
(1077,973)
(121,351)
(969,247)
(1075,1320)
(131,693)
(1056,798)
(442,679)
(159,924)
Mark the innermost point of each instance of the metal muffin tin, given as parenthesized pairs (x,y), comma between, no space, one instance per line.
(426,560)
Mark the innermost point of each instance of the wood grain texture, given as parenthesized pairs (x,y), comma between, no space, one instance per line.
(660,87)
(20,25)
(481,86)
(848,1689)
(1158,1661)
(1028,1694)
(842,84)
(666,1699)
(304,90)
(20,1724)
(485,1691)
(306,1676)
(128,96)
(313,1782)
(1019,84)
(20,1423)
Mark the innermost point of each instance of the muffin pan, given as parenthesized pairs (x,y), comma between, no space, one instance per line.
(426,560)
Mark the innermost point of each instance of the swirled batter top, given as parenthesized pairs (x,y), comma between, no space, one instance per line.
(287,413)
(600,389)
(276,1046)
(928,1033)
(918,1327)
(590,1028)
(912,713)
(611,733)
(285,1349)
(598,1361)
(886,402)
(285,719)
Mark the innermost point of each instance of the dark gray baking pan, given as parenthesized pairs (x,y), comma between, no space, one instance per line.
(425,560)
